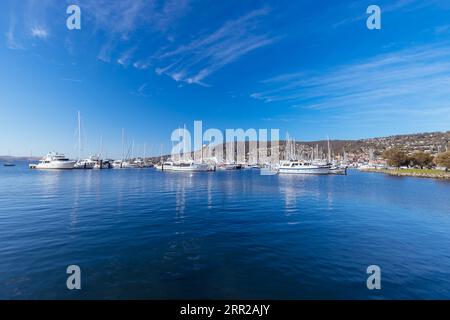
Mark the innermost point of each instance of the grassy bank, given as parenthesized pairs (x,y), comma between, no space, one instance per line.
(420,173)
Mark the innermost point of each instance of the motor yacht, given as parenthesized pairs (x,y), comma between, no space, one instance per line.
(302,167)
(186,166)
(54,161)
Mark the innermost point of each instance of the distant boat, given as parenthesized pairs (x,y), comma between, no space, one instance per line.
(117,164)
(142,163)
(186,166)
(54,161)
(103,164)
(338,169)
(229,166)
(300,167)
(9,164)
(86,163)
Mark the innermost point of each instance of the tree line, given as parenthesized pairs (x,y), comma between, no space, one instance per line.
(398,158)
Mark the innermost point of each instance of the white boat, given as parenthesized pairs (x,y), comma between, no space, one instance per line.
(186,166)
(229,166)
(338,169)
(86,163)
(128,164)
(103,164)
(123,164)
(117,164)
(54,161)
(302,167)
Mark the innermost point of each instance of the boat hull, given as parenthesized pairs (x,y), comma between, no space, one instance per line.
(56,165)
(338,170)
(306,170)
(84,165)
(194,168)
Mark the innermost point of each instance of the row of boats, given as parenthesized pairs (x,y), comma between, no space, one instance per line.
(284,167)
(59,161)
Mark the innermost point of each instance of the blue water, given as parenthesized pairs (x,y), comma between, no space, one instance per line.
(156,235)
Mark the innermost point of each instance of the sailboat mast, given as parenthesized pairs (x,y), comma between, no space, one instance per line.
(329,149)
(145,150)
(101,146)
(123,144)
(185,156)
(79,135)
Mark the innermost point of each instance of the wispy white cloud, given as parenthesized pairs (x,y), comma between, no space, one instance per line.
(125,58)
(143,91)
(11,42)
(194,61)
(416,78)
(39,32)
(142,65)
(119,22)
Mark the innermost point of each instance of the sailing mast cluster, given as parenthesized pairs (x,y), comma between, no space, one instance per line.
(55,160)
(309,164)
(292,164)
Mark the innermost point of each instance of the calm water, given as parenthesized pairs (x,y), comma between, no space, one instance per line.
(149,234)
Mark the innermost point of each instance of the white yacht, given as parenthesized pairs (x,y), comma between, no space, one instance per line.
(86,163)
(122,164)
(186,166)
(301,167)
(54,161)
(103,164)
(117,164)
(229,166)
(128,164)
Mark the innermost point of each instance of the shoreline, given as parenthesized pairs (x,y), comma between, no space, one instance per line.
(417,173)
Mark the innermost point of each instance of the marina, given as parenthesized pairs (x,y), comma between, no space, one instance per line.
(224,159)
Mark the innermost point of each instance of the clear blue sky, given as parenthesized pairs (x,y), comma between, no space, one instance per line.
(151,66)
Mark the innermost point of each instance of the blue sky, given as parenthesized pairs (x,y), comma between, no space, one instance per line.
(308,67)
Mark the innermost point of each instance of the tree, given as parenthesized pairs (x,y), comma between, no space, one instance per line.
(395,157)
(421,159)
(443,160)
